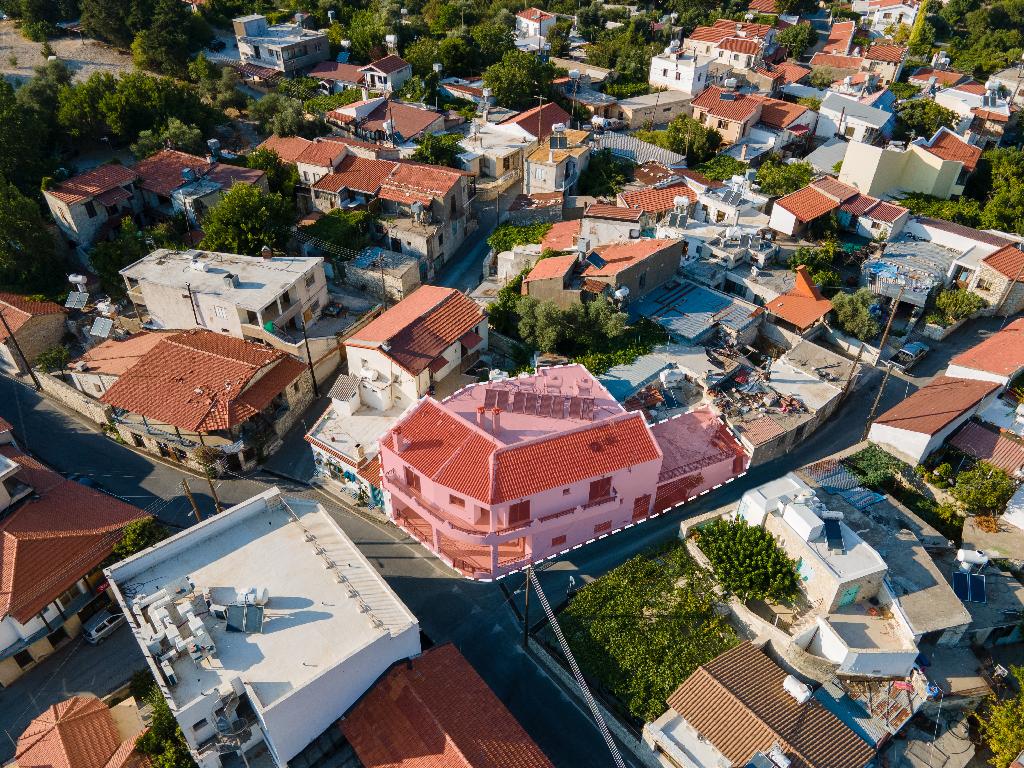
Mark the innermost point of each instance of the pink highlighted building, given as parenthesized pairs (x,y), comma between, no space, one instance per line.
(503,474)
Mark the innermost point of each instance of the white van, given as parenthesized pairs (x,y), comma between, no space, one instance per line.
(102,625)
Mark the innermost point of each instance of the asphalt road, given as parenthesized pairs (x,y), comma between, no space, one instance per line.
(474,616)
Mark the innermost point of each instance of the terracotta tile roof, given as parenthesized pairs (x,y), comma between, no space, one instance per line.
(162,173)
(55,538)
(740,45)
(1002,353)
(207,381)
(409,121)
(78,732)
(288,148)
(803,305)
(562,235)
(357,173)
(535,14)
(964,231)
(333,70)
(937,404)
(836,61)
(658,199)
(840,37)
(988,114)
(834,188)
(616,212)
(410,182)
(945,77)
(538,121)
(724,28)
(113,196)
(989,445)
(321,153)
(760,430)
(652,172)
(792,72)
(808,203)
(727,105)
(421,326)
(873,4)
(699,178)
(780,114)
(737,703)
(439,714)
(113,357)
(971,86)
(387,65)
(551,267)
(18,310)
(763,6)
(893,54)
(1007,261)
(84,186)
(887,212)
(622,255)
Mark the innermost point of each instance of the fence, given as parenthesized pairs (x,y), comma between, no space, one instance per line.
(72,398)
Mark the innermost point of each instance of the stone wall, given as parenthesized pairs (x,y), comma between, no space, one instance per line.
(68,396)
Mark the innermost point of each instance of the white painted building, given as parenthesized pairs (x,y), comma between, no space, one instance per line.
(288,48)
(262,626)
(533,22)
(882,14)
(679,70)
(842,116)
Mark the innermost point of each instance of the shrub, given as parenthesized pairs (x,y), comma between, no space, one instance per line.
(875,468)
(958,304)
(508,236)
(853,314)
(983,489)
(748,562)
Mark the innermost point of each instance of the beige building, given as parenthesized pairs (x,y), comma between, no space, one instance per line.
(93,203)
(37,326)
(287,48)
(730,113)
(495,157)
(653,109)
(557,167)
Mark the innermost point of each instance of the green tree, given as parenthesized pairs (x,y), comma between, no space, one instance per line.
(21,160)
(958,304)
(518,79)
(164,45)
(174,135)
(28,256)
(281,177)
(438,149)
(983,489)
(507,236)
(79,115)
(558,37)
(822,77)
(722,167)
(777,177)
(139,535)
(54,359)
(798,39)
(421,55)
(605,175)
(540,323)
(282,115)
(820,262)
(108,20)
(493,40)
(346,229)
(366,32)
(109,257)
(747,561)
(962,210)
(39,97)
(245,219)
(1001,724)
(853,315)
(164,742)
(922,117)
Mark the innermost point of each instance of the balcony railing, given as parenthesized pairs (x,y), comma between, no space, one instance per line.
(430,507)
(603,500)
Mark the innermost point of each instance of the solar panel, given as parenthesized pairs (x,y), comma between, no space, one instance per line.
(102,326)
(575,408)
(834,536)
(490,397)
(532,401)
(503,399)
(518,401)
(596,260)
(76,300)
(977,588)
(588,408)
(961,586)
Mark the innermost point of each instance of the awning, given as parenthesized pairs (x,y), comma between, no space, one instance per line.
(471,340)
(437,364)
(254,70)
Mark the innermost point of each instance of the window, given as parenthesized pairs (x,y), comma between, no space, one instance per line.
(565,491)
(24,659)
(664,73)
(558,541)
(98,388)
(137,441)
(455,501)
(295,387)
(679,76)
(90,209)
(642,281)
(412,479)
(204,723)
(519,512)
(251,317)
(984,285)
(221,312)
(723,124)
(600,489)
(310,279)
(603,527)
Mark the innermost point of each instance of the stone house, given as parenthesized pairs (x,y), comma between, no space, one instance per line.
(36,325)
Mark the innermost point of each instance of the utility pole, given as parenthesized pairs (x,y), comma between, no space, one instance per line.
(878,397)
(309,360)
(526,609)
(17,346)
(191,500)
(892,316)
(853,368)
(208,471)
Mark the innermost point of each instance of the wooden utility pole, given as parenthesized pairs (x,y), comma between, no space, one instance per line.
(191,500)
(853,368)
(17,346)
(878,398)
(892,316)
(213,491)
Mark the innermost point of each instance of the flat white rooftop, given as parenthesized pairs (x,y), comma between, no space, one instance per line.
(312,621)
(856,559)
(364,427)
(260,281)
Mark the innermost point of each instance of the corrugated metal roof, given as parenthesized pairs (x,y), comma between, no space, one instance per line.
(623,381)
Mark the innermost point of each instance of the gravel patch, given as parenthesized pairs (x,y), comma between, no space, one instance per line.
(83,56)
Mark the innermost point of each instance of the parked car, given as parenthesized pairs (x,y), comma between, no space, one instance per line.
(216,45)
(909,354)
(102,625)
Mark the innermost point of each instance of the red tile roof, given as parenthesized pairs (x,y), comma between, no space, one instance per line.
(840,38)
(761,430)
(808,203)
(86,185)
(740,45)
(288,148)
(113,357)
(550,268)
(803,305)
(834,188)
(945,77)
(562,235)
(888,212)
(988,114)
(54,539)
(971,86)
(724,28)
(893,54)
(162,173)
(357,173)
(438,713)
(387,65)
(776,113)
(410,182)
(1002,353)
(836,61)
(763,6)
(1008,261)
(78,732)
(737,703)
(321,153)
(409,120)
(937,404)
(538,121)
(333,70)
(991,446)
(792,72)
(207,381)
(18,310)
(658,199)
(727,105)
(535,14)
(421,326)
(616,212)
(622,255)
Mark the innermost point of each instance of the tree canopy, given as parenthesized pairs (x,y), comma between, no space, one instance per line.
(28,256)
(747,561)
(518,79)
(245,219)
(281,177)
(688,137)
(1001,723)
(777,177)
(798,39)
(922,117)
(439,149)
(853,314)
(109,257)
(983,489)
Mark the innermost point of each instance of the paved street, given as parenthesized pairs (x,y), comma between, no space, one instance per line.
(472,615)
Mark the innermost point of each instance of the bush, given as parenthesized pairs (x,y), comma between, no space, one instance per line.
(748,562)
(508,236)
(605,175)
(1001,725)
(958,304)
(853,314)
(983,489)
(875,468)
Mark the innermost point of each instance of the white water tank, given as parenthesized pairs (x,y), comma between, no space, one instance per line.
(801,519)
(796,689)
(973,557)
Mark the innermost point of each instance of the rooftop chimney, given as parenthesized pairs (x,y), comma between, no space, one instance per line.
(480,416)
(496,420)
(400,442)
(360,451)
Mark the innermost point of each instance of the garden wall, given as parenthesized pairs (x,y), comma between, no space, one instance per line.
(72,398)
(852,346)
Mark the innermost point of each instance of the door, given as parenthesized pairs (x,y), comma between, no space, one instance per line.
(849,596)
(600,489)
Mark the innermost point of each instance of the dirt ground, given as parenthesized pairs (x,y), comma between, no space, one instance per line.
(18,56)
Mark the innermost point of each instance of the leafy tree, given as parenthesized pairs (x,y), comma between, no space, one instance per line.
(875,468)
(1001,724)
(958,304)
(493,40)
(688,137)
(142,102)
(798,39)
(282,115)
(281,177)
(722,167)
(502,314)
(439,150)
(109,257)
(508,236)
(79,115)
(558,37)
(811,103)
(748,562)
(39,98)
(164,45)
(108,20)
(164,742)
(245,219)
(421,55)
(983,489)
(21,160)
(139,535)
(822,77)
(605,175)
(904,90)
(346,229)
(777,177)
(54,359)
(922,117)
(28,256)
(962,210)
(820,262)
(853,315)
(580,328)
(518,79)
(367,31)
(174,135)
